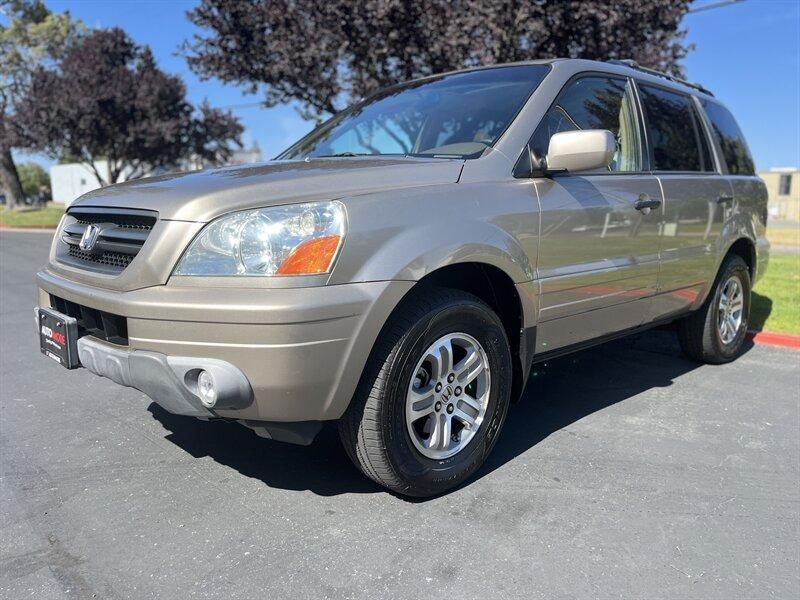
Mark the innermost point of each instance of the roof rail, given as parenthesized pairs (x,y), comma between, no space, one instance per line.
(634,65)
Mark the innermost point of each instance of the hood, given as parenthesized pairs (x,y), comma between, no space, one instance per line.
(203,195)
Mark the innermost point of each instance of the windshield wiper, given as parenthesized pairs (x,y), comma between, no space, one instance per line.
(342,154)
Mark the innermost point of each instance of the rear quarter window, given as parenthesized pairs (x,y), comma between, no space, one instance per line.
(730,139)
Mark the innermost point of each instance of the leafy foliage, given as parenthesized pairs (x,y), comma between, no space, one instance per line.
(35,180)
(325,54)
(33,35)
(107,99)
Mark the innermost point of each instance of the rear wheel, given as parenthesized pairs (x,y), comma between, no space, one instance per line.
(433,396)
(715,333)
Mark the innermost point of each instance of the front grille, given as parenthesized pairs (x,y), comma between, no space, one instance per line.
(139,226)
(116,260)
(121,217)
(97,323)
(120,235)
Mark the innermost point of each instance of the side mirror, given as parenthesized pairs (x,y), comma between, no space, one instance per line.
(582,150)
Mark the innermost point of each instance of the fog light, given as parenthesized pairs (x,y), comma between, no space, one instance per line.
(207,389)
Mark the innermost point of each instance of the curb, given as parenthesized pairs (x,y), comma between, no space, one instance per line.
(32,229)
(782,340)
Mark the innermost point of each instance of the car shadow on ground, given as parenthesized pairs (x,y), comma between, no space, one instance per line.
(563,391)
(322,467)
(559,393)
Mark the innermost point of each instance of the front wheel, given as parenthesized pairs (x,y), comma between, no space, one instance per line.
(715,333)
(433,396)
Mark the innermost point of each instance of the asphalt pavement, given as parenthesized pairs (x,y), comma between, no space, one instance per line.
(625,472)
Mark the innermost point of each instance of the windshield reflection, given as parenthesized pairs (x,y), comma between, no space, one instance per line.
(457,115)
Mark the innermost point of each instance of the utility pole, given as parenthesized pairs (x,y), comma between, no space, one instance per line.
(713,5)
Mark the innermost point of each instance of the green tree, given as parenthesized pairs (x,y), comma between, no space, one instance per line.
(107,99)
(324,55)
(32,36)
(35,181)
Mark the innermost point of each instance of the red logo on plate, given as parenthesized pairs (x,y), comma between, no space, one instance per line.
(59,338)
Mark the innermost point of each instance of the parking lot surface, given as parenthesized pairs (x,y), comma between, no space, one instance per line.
(626,471)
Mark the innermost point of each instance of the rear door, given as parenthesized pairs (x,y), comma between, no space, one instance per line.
(749,192)
(696,196)
(598,254)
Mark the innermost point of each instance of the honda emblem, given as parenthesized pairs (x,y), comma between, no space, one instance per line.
(89,237)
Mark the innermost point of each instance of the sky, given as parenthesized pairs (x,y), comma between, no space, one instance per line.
(747,53)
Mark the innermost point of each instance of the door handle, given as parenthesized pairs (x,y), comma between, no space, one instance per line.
(645,203)
(724,199)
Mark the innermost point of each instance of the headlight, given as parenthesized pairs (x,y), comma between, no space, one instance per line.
(298,239)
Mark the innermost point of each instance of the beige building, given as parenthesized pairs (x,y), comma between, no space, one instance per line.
(783,186)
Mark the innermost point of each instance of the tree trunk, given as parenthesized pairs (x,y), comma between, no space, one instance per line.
(10,179)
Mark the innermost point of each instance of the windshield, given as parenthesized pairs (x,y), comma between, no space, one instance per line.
(457,115)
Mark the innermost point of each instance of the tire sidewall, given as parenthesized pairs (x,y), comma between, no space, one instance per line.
(421,472)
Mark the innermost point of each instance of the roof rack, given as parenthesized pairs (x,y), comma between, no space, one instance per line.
(634,65)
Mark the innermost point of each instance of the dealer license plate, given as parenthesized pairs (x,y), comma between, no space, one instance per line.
(58,337)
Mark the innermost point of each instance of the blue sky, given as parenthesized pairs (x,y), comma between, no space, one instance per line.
(748,54)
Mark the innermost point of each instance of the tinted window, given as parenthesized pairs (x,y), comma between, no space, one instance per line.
(730,139)
(452,115)
(784,185)
(677,140)
(594,103)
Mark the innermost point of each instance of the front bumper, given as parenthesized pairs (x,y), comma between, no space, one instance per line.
(170,379)
(300,350)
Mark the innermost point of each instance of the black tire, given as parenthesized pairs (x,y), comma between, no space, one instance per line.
(698,333)
(373,430)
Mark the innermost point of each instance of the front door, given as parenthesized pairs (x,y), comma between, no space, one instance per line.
(598,254)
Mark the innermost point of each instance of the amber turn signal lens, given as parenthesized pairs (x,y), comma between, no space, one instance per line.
(313,256)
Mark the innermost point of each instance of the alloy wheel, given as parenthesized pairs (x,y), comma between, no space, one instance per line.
(448,395)
(730,311)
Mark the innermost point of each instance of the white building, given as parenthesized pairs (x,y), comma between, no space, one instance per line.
(246,155)
(74,179)
(69,181)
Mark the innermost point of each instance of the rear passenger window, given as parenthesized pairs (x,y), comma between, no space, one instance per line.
(594,103)
(730,139)
(677,139)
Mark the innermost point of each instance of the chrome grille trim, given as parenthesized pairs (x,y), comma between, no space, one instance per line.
(121,233)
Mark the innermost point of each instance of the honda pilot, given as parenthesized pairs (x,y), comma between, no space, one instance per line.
(400,269)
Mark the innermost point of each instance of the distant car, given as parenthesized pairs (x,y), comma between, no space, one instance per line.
(399,269)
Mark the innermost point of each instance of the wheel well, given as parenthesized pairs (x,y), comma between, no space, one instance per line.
(745,248)
(496,289)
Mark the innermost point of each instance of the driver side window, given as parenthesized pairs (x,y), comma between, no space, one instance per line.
(595,102)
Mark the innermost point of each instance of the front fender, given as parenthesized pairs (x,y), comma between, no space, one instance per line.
(406,235)
(409,254)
